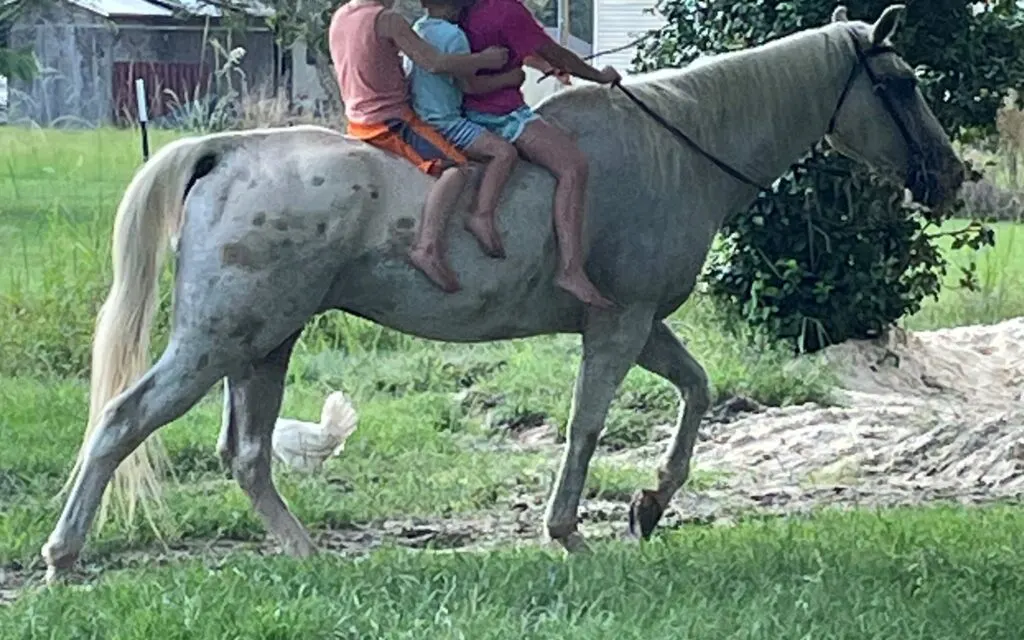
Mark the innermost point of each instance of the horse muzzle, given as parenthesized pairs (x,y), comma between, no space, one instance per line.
(934,181)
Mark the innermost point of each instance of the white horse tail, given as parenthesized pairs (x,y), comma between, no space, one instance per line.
(149,215)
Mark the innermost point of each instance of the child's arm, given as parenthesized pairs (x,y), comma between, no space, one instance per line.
(393,26)
(486,84)
(565,59)
(545,67)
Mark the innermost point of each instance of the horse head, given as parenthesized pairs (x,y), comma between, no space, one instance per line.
(882,118)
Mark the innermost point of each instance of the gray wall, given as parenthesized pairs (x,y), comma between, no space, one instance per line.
(73,47)
(77,50)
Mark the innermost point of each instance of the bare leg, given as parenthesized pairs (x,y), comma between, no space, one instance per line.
(501,158)
(169,389)
(665,356)
(428,251)
(551,148)
(611,342)
(253,404)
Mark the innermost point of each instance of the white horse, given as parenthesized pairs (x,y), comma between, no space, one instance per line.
(274,226)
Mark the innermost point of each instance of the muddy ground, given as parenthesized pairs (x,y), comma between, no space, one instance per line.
(920,418)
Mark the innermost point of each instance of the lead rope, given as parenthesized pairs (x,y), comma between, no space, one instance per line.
(669,126)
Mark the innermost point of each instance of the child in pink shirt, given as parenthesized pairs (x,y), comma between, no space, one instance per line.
(510,24)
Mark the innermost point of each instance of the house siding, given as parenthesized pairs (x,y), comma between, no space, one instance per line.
(616,24)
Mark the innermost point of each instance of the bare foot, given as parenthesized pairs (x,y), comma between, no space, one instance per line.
(483,229)
(431,264)
(581,287)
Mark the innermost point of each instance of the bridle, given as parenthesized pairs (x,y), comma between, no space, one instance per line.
(879,89)
(914,153)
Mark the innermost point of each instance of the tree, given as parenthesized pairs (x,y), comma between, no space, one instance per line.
(833,252)
(18,64)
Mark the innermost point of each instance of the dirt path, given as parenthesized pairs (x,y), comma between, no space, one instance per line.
(923,417)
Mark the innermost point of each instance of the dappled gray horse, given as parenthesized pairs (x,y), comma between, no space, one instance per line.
(274,226)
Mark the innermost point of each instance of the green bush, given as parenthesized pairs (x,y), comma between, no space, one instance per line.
(832,252)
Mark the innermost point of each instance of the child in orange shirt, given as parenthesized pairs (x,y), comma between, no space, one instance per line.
(366,39)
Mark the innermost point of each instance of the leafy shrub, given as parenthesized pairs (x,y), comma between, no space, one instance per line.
(832,252)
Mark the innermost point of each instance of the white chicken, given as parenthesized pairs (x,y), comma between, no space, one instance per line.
(305,446)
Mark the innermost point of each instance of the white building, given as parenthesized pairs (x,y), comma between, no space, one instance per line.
(611,24)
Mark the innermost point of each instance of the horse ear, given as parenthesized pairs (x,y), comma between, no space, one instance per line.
(886,24)
(839,14)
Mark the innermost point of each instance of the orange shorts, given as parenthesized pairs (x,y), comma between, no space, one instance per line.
(413,139)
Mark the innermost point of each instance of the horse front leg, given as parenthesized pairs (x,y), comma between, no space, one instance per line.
(665,356)
(612,340)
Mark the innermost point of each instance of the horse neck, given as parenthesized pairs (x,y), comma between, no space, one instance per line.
(766,105)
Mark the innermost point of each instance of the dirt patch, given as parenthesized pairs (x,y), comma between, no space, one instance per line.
(936,413)
(922,417)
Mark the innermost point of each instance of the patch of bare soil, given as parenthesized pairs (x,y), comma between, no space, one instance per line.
(922,417)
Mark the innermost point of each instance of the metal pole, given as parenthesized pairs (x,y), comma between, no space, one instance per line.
(563,23)
(140,101)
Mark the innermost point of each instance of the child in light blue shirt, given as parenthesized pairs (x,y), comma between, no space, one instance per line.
(437,100)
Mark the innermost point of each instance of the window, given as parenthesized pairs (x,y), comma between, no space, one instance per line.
(581,16)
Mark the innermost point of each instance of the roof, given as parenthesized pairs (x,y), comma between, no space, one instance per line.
(116,8)
(165,8)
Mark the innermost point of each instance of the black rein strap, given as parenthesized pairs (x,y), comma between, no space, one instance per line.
(862,62)
(685,138)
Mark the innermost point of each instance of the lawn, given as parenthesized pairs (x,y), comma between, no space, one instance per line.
(432,448)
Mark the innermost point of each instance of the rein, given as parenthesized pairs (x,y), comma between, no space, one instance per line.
(861,63)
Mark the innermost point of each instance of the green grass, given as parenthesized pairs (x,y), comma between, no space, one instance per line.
(430,416)
(935,574)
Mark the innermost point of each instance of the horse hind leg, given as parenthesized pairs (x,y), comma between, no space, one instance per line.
(252,403)
(665,356)
(164,393)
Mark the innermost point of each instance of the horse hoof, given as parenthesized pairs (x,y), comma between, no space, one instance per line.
(644,514)
(59,561)
(575,544)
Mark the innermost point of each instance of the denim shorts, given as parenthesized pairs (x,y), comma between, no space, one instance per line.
(507,125)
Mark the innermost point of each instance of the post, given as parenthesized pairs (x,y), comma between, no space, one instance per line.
(564,29)
(140,101)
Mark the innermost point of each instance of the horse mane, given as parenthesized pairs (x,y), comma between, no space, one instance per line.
(710,99)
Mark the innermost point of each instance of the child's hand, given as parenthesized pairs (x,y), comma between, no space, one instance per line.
(494,57)
(610,76)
